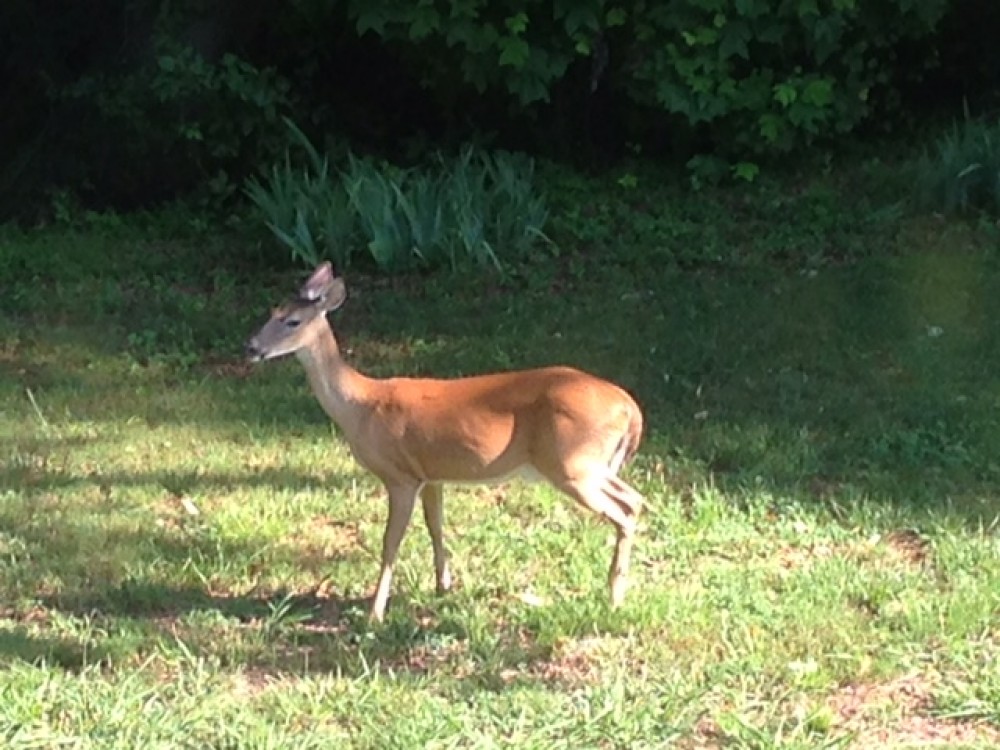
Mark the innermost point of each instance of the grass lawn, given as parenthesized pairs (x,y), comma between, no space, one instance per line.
(186,546)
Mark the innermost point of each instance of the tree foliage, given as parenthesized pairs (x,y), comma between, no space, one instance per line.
(136,101)
(763,76)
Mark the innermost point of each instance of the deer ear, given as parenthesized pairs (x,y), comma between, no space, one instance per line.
(317,286)
(335,295)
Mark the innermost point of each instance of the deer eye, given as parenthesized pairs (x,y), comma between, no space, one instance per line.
(293,322)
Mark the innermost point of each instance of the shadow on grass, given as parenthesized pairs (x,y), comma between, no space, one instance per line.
(278,631)
(868,383)
(32,479)
(281,633)
(146,599)
(878,377)
(20,644)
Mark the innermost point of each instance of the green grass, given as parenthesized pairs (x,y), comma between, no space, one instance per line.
(818,565)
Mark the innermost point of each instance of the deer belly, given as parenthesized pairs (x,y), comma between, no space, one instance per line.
(525,472)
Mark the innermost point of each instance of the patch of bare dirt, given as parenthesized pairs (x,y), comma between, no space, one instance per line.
(246,683)
(794,558)
(573,663)
(9,352)
(324,539)
(232,369)
(174,512)
(707,735)
(251,682)
(908,546)
(337,532)
(899,713)
(902,548)
(429,657)
(34,615)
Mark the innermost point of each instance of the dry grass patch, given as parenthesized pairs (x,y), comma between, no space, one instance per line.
(908,546)
(575,662)
(580,662)
(248,683)
(318,541)
(900,713)
(902,548)
(229,369)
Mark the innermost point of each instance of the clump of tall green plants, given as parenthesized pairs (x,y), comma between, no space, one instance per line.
(474,208)
(962,172)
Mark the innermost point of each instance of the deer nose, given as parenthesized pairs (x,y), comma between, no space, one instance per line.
(252,351)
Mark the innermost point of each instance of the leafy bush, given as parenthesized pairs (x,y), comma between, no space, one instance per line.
(962,173)
(774,79)
(188,121)
(129,104)
(474,208)
(759,77)
(306,207)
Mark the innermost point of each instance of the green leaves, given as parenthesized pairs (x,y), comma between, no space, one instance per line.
(425,24)
(770,127)
(746,171)
(517,23)
(520,52)
(766,78)
(579,18)
(734,39)
(615,17)
(761,77)
(514,51)
(785,94)
(818,92)
(371,19)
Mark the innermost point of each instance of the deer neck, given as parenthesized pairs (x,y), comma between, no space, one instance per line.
(340,389)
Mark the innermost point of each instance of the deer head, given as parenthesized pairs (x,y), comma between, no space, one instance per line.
(293,324)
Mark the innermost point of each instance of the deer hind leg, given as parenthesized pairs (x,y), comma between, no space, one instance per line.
(618,459)
(433,505)
(610,497)
(620,561)
(623,494)
(629,500)
(401,502)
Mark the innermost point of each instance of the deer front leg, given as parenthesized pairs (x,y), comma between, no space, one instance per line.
(401,502)
(433,504)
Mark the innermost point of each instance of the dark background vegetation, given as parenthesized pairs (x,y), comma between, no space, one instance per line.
(120,105)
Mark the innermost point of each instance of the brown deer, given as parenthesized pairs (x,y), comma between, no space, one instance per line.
(567,427)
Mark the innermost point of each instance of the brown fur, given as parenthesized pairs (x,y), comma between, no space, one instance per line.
(569,427)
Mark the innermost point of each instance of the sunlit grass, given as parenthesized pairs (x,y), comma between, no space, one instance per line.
(186,545)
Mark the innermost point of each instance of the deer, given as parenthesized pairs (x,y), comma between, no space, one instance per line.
(556,424)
